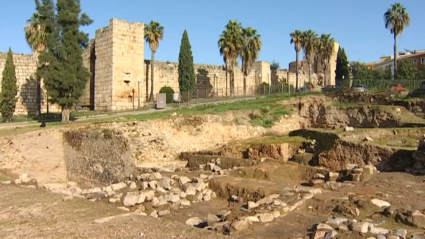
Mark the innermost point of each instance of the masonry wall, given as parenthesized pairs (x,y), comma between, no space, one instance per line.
(332,65)
(103,71)
(127,64)
(25,68)
(210,79)
(86,100)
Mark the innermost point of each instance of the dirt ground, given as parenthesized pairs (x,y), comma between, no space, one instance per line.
(36,213)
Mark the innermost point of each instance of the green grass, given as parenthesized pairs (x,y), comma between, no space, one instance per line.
(4,177)
(270,102)
(275,140)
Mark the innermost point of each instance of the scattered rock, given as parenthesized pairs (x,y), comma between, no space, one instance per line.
(156,176)
(194,221)
(185,203)
(211,219)
(380,203)
(165,183)
(349,129)
(183,180)
(163,213)
(378,230)
(362,227)
(336,220)
(323,226)
(131,199)
(118,186)
(133,185)
(418,219)
(266,217)
(251,219)
(190,190)
(332,176)
(240,225)
(252,205)
(368,139)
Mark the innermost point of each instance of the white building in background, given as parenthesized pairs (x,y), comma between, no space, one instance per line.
(388,62)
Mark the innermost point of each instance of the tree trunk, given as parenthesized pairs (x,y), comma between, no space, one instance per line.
(65,115)
(227,73)
(152,76)
(232,82)
(296,70)
(309,71)
(395,56)
(38,113)
(244,84)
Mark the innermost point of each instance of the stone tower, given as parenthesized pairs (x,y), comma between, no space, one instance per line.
(332,64)
(116,60)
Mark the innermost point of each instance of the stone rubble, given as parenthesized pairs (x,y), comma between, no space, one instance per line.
(162,194)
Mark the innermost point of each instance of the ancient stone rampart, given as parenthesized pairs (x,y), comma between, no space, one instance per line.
(121,77)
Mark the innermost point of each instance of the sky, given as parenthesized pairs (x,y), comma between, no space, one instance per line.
(357,25)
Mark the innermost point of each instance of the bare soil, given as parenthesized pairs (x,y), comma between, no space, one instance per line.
(36,213)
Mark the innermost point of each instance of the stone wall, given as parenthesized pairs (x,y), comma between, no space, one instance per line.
(103,73)
(127,63)
(210,79)
(25,68)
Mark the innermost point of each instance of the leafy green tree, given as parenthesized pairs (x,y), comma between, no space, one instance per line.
(36,37)
(342,71)
(186,68)
(406,70)
(297,40)
(309,42)
(62,64)
(396,18)
(249,52)
(231,44)
(154,32)
(274,66)
(360,71)
(9,89)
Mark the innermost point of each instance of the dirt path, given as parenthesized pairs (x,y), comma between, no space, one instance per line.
(35,213)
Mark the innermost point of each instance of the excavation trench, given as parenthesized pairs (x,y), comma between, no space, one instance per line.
(239,163)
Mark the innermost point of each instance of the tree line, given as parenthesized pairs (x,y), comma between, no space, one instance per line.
(315,49)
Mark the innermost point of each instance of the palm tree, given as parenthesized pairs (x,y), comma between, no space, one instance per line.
(396,18)
(250,52)
(231,44)
(36,37)
(153,33)
(326,50)
(296,39)
(308,44)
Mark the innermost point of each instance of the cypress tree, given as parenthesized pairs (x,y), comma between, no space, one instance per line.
(9,89)
(186,68)
(342,70)
(64,74)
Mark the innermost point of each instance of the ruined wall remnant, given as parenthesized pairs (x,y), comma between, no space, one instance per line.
(25,68)
(97,157)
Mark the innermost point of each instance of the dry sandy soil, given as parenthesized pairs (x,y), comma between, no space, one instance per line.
(34,213)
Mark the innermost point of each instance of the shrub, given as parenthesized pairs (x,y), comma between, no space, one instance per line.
(263,88)
(169,92)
